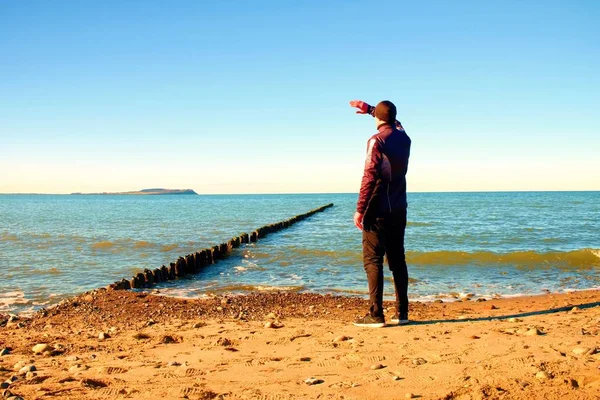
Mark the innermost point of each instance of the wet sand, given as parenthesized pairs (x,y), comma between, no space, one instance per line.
(120,344)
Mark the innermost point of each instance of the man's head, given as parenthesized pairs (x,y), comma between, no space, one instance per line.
(385,112)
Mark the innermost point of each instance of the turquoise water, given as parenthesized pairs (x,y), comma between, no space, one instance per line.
(486,244)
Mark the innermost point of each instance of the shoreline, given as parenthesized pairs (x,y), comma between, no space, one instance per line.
(171,293)
(123,344)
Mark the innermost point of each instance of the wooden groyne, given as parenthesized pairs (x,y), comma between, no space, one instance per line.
(193,263)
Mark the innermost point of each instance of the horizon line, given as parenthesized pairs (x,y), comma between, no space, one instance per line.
(304,193)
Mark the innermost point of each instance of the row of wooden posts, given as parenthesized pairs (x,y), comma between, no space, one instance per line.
(193,263)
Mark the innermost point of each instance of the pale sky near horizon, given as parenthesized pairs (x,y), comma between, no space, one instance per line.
(252,97)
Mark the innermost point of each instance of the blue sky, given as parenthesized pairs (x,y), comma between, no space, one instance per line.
(252,97)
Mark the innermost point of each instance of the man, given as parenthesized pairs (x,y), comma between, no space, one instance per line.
(381,211)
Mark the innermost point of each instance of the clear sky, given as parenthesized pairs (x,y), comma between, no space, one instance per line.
(252,96)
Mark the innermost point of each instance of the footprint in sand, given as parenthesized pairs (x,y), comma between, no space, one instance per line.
(326,363)
(376,358)
(112,370)
(353,364)
(113,392)
(194,372)
(384,375)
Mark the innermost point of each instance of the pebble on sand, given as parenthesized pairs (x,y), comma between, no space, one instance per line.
(533,332)
(419,361)
(409,395)
(78,368)
(103,336)
(341,339)
(4,352)
(377,366)
(93,383)
(543,375)
(581,350)
(41,348)
(26,369)
(313,381)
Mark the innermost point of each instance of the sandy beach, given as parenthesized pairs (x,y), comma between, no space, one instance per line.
(120,344)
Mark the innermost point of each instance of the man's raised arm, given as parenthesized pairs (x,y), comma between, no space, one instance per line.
(365,108)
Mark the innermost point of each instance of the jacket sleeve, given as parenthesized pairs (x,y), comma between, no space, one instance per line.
(370,174)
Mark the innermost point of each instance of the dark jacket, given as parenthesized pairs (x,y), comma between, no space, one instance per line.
(383,187)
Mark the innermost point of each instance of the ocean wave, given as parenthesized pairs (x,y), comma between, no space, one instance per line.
(416,223)
(7,237)
(254,288)
(575,258)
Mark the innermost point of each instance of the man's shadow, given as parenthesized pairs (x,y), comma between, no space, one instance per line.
(497,317)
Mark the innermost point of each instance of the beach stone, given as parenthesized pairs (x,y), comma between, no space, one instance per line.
(396,378)
(409,395)
(103,336)
(515,320)
(439,301)
(30,375)
(313,381)
(340,339)
(93,383)
(491,307)
(174,364)
(271,316)
(26,369)
(168,339)
(376,366)
(224,342)
(72,358)
(41,348)
(542,375)
(419,361)
(4,385)
(78,368)
(20,364)
(533,332)
(6,393)
(463,317)
(581,350)
(4,352)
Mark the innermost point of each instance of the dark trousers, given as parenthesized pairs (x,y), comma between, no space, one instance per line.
(386,237)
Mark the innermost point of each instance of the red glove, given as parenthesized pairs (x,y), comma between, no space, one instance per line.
(363,108)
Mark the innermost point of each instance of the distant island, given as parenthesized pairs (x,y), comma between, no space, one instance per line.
(150,192)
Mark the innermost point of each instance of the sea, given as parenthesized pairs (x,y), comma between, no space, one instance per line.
(479,245)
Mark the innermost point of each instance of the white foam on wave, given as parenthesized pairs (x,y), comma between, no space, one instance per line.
(10,299)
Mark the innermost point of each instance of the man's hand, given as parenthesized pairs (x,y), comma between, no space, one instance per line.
(358,220)
(363,107)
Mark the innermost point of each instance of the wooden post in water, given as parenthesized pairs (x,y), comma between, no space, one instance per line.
(195,262)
